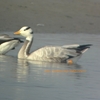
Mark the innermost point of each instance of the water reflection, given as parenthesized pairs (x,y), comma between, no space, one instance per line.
(22,77)
(21,69)
(39,69)
(6,62)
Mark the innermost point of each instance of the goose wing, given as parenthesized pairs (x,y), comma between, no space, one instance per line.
(8,43)
(66,51)
(54,52)
(78,48)
(5,38)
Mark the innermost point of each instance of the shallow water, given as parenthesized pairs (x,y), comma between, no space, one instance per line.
(28,80)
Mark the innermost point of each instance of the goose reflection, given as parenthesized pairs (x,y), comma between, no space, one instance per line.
(22,70)
(38,69)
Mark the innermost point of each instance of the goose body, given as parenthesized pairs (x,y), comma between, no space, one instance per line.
(66,53)
(7,43)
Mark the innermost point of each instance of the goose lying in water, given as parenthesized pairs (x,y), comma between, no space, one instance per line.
(63,54)
(8,43)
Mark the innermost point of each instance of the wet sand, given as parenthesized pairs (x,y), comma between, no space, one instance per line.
(51,16)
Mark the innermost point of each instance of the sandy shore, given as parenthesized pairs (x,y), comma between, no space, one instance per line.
(51,16)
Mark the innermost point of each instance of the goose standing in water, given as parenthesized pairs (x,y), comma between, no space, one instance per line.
(63,54)
(8,43)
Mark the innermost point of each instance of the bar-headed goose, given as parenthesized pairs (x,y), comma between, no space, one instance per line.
(67,53)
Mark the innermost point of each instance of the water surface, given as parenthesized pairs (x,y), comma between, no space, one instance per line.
(28,80)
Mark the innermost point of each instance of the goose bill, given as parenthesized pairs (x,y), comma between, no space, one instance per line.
(17,33)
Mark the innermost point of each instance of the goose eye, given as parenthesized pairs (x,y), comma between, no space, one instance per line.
(27,28)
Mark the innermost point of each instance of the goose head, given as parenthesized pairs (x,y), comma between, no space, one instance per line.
(24,31)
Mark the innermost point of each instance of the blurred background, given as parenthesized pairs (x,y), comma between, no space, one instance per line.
(51,16)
